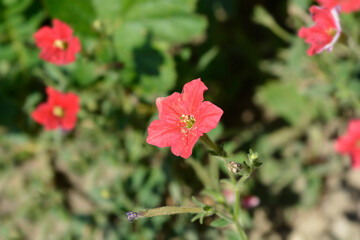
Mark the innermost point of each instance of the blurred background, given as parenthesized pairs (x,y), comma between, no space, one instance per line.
(287,106)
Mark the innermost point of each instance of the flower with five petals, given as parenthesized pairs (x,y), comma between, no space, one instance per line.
(58,45)
(183,119)
(60,110)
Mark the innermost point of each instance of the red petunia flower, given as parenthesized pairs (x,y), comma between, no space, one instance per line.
(183,119)
(346,6)
(57,44)
(350,143)
(326,31)
(59,111)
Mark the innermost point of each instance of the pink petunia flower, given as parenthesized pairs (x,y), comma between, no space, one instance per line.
(60,110)
(183,118)
(350,143)
(58,45)
(251,201)
(326,31)
(346,6)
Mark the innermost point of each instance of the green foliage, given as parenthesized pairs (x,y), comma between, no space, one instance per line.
(287,106)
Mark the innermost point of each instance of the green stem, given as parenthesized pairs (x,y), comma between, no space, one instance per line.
(236,211)
(164,211)
(213,146)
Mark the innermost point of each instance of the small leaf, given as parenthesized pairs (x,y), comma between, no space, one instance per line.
(196,217)
(257,164)
(219,223)
(202,218)
(197,202)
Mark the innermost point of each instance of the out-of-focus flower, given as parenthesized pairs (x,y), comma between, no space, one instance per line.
(183,118)
(246,201)
(58,45)
(250,202)
(346,6)
(229,195)
(326,31)
(60,110)
(350,143)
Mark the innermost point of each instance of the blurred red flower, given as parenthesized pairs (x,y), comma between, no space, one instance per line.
(350,143)
(183,119)
(59,111)
(346,6)
(248,202)
(326,31)
(57,44)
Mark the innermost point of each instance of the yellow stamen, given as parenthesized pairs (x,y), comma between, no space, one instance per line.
(189,120)
(60,44)
(331,31)
(58,112)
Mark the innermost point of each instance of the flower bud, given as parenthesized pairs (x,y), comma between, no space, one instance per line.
(131,216)
(234,167)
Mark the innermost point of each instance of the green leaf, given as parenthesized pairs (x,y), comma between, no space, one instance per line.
(219,223)
(196,217)
(84,72)
(286,101)
(200,204)
(79,14)
(108,10)
(231,235)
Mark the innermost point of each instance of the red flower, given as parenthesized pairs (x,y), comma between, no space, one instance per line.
(59,111)
(326,31)
(57,44)
(350,143)
(183,119)
(346,6)
(248,202)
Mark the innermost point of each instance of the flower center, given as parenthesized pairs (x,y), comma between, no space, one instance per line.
(58,112)
(189,120)
(60,44)
(331,32)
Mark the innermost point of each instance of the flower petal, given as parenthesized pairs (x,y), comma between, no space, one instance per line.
(43,115)
(354,128)
(193,95)
(74,45)
(55,98)
(345,144)
(184,143)
(355,158)
(170,108)
(208,117)
(68,121)
(44,37)
(62,30)
(161,134)
(346,6)
(70,103)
